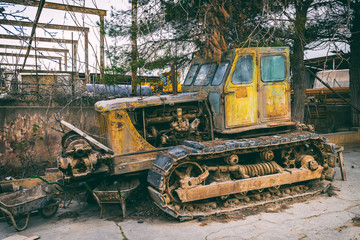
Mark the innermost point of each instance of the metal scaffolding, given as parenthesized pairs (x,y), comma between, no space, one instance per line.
(71,8)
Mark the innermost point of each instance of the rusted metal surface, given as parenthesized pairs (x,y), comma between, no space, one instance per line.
(135,102)
(86,136)
(169,173)
(51,175)
(245,185)
(118,192)
(26,201)
(79,157)
(193,210)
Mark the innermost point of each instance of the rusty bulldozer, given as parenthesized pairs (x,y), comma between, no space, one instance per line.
(226,142)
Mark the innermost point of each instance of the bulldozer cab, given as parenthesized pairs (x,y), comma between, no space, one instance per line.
(248,89)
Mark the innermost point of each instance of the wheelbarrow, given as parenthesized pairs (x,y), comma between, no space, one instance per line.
(21,203)
(117,192)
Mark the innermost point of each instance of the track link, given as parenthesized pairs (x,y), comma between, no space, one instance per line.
(196,153)
(285,195)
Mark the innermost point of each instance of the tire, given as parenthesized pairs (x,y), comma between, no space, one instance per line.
(49,210)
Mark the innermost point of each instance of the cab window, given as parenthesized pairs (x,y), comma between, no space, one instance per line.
(243,72)
(164,79)
(272,68)
(205,74)
(191,74)
(220,73)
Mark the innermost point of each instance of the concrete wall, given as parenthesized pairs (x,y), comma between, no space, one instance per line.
(29,135)
(345,138)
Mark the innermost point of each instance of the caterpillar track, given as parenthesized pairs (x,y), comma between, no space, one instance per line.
(190,181)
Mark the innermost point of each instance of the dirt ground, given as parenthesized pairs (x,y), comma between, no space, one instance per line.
(335,215)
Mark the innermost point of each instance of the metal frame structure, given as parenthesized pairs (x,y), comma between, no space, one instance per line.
(33,56)
(74,44)
(58,27)
(64,7)
(14,64)
(65,51)
(39,39)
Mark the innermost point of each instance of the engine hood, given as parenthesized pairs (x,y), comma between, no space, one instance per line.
(141,102)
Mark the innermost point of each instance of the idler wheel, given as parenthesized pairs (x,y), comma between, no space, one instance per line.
(267,155)
(232,160)
(180,175)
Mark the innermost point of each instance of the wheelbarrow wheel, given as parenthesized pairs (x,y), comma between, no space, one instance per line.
(49,210)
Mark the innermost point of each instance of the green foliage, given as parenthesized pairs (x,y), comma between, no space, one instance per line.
(176,30)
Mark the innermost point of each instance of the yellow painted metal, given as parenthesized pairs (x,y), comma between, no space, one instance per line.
(117,127)
(166,81)
(258,102)
(121,134)
(275,102)
(274,97)
(241,104)
(164,85)
(252,105)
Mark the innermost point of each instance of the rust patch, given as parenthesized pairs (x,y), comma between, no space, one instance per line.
(241,93)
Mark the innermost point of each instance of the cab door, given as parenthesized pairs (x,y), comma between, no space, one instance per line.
(240,91)
(274,88)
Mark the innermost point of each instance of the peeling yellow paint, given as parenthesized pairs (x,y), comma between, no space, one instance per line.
(241,103)
(121,134)
(245,102)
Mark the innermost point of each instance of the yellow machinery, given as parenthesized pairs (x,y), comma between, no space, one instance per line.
(227,139)
(164,85)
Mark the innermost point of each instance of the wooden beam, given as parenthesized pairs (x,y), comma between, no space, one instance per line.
(39,39)
(43,25)
(17,64)
(58,6)
(32,56)
(102,46)
(38,48)
(86,40)
(65,7)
